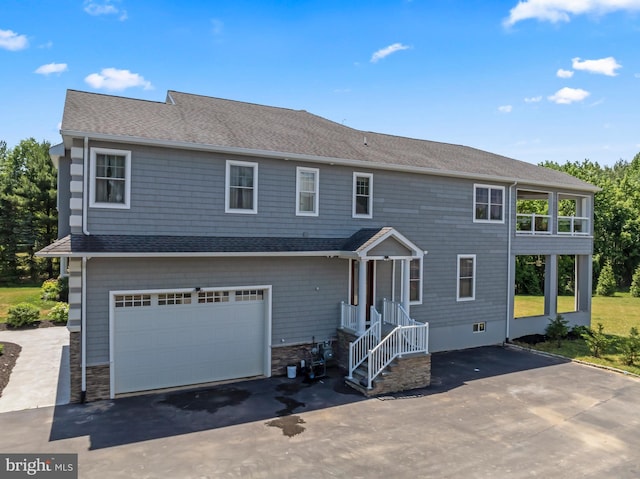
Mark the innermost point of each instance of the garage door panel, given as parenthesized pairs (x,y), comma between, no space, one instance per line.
(171,345)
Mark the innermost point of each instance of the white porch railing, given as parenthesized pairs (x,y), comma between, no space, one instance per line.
(402,340)
(409,336)
(359,349)
(348,316)
(394,313)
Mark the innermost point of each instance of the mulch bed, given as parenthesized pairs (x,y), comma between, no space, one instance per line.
(7,361)
(45,323)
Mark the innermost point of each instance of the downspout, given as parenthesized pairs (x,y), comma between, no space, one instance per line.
(85,230)
(83,354)
(509,261)
(85,187)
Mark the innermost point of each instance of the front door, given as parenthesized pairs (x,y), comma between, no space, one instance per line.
(369,294)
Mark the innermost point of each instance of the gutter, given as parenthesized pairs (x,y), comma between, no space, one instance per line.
(318,159)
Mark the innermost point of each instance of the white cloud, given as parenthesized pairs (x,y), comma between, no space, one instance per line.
(505,108)
(106,7)
(385,52)
(114,79)
(533,99)
(47,45)
(50,68)
(564,73)
(10,40)
(566,96)
(555,11)
(604,66)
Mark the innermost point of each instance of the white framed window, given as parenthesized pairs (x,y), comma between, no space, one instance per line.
(132,300)
(415,281)
(466,283)
(488,204)
(307,191)
(241,187)
(479,327)
(110,178)
(362,195)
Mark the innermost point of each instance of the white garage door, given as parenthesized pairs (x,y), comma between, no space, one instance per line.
(176,338)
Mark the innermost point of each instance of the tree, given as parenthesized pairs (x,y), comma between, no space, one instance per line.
(606,281)
(28,214)
(635,283)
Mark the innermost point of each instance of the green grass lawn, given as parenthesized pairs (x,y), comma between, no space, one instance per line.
(12,295)
(618,314)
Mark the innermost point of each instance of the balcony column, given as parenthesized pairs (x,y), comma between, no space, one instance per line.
(553,213)
(362,296)
(551,286)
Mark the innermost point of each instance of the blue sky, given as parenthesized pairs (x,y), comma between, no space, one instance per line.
(535,80)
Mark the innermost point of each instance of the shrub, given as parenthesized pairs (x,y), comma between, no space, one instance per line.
(59,313)
(606,281)
(631,347)
(23,314)
(635,283)
(578,332)
(1,349)
(55,289)
(597,341)
(50,290)
(557,329)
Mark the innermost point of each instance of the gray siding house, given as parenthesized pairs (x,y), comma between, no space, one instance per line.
(209,240)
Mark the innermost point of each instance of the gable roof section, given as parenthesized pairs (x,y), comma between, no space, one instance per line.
(206,123)
(140,245)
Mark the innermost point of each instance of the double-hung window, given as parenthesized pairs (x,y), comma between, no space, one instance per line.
(110,178)
(362,195)
(241,189)
(307,191)
(466,285)
(415,281)
(488,204)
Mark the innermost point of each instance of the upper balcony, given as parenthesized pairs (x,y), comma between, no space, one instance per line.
(547,213)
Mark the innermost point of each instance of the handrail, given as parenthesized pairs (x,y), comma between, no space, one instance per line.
(402,340)
(348,316)
(395,314)
(359,349)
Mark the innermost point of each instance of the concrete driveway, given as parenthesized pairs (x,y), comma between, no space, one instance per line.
(491,413)
(40,377)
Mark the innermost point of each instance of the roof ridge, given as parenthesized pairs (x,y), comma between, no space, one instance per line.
(93,93)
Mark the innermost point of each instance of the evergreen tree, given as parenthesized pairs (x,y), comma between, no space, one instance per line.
(606,281)
(635,283)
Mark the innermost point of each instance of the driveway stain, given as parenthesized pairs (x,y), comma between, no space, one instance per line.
(209,400)
(290,405)
(290,425)
(291,388)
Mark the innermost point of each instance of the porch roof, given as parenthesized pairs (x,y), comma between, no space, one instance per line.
(150,246)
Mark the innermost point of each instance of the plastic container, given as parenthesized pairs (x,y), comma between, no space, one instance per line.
(291,371)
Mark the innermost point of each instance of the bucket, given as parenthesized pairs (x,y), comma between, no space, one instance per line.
(291,372)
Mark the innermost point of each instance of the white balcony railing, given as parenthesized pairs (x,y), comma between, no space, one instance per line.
(573,225)
(532,223)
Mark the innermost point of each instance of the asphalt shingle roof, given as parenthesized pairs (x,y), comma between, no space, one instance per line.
(226,124)
(141,244)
